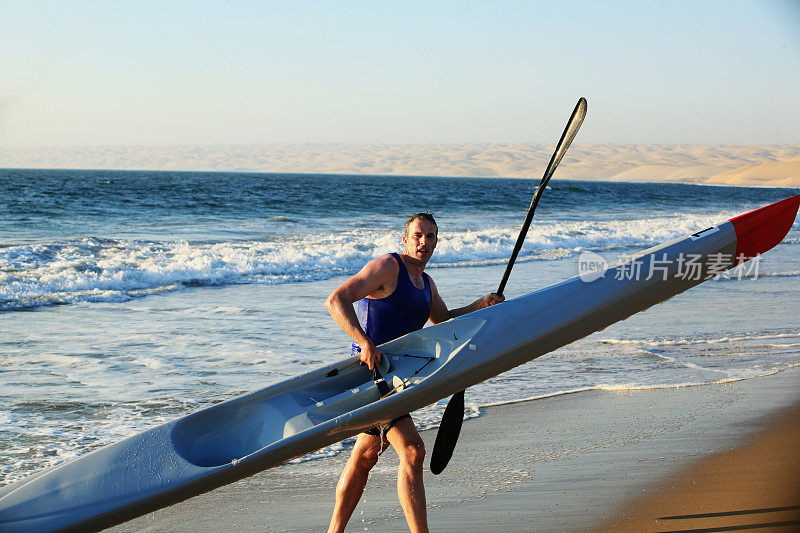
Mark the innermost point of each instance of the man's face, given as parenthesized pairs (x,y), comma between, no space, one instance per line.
(420,240)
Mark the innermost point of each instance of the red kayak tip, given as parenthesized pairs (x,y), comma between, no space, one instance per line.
(760,230)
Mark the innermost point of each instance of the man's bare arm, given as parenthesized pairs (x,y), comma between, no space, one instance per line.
(440,313)
(374,279)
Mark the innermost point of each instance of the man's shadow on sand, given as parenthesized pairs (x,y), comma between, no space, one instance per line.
(764,525)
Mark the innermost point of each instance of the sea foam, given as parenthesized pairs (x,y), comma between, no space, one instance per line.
(115,270)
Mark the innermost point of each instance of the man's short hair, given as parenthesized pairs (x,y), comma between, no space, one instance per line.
(426,216)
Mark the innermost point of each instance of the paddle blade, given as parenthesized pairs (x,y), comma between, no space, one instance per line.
(570,131)
(448,433)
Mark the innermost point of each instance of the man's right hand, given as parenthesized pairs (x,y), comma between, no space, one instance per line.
(370,355)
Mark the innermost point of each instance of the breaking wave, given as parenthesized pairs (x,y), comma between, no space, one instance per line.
(113,270)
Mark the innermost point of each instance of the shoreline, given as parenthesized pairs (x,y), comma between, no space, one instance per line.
(566,463)
(776,165)
(532,177)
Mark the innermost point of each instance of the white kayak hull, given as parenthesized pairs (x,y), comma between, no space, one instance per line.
(240,437)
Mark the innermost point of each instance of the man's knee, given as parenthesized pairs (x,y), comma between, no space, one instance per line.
(414,453)
(364,459)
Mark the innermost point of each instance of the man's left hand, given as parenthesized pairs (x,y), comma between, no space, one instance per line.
(492,298)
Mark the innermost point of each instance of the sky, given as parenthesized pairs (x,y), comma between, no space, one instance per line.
(408,72)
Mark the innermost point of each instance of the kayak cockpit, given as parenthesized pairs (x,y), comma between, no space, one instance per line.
(226,432)
(231,430)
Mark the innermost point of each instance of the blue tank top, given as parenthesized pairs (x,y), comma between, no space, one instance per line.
(405,310)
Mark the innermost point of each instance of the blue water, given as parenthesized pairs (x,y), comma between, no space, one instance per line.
(53,205)
(91,236)
(131,298)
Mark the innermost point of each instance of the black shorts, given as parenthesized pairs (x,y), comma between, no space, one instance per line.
(376,431)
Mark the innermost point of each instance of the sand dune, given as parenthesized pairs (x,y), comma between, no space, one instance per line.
(784,173)
(776,165)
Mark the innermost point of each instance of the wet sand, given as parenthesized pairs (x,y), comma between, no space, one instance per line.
(756,486)
(597,459)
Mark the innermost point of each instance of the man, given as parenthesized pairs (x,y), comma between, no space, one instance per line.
(395,296)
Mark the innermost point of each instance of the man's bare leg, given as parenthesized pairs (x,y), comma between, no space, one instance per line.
(353,479)
(410,489)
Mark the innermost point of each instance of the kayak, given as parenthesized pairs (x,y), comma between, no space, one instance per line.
(237,438)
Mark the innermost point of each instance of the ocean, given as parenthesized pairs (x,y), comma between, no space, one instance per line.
(128,299)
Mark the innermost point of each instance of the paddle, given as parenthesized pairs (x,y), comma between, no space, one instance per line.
(453,416)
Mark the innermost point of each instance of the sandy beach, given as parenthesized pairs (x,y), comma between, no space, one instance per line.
(722,164)
(754,486)
(597,459)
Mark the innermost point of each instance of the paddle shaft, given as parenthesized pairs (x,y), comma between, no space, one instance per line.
(573,125)
(450,426)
